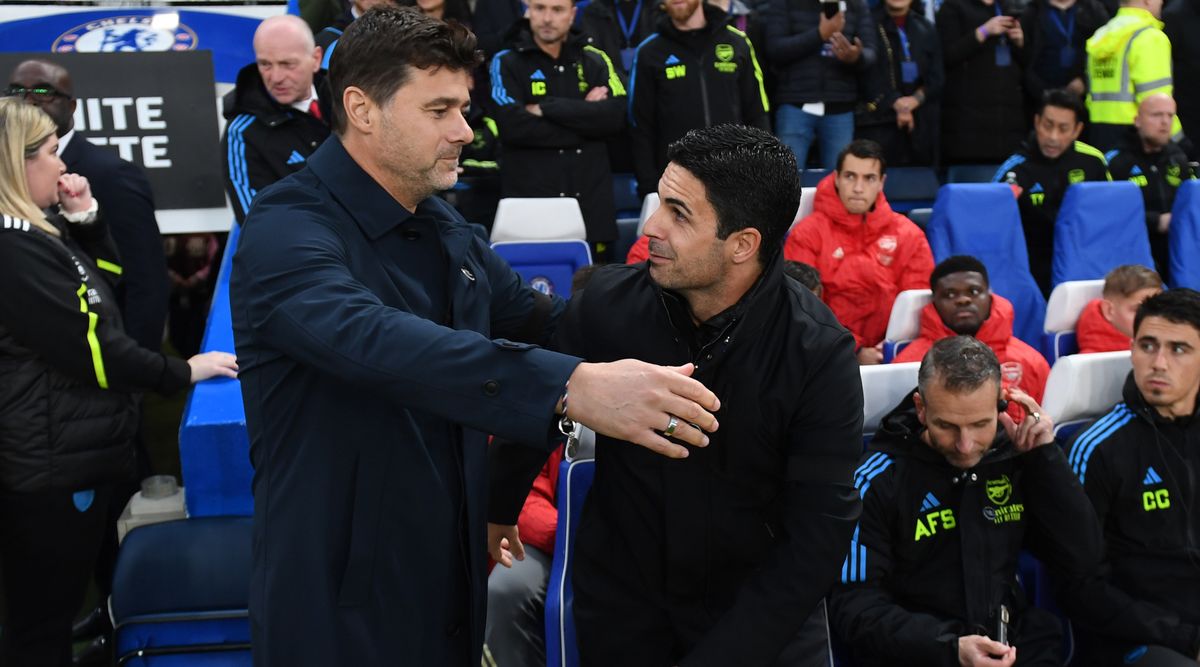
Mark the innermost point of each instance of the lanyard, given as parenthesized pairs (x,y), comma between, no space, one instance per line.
(1067,30)
(904,42)
(628,27)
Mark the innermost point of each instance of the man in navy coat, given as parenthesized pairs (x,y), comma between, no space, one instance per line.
(380,339)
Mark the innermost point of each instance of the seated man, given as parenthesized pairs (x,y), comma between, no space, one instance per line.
(1147,157)
(1138,465)
(949,500)
(1051,160)
(963,306)
(865,252)
(1106,324)
(806,275)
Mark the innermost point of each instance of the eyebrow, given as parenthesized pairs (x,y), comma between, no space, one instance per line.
(678,202)
(446,101)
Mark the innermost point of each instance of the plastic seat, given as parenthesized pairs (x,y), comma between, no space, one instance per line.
(1062,313)
(1100,226)
(884,386)
(538,219)
(904,324)
(1184,236)
(180,594)
(548,266)
(982,220)
(574,481)
(907,188)
(1082,387)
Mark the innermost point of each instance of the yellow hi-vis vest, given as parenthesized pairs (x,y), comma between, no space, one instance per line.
(1128,59)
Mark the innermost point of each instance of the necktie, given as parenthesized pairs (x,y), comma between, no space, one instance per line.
(314,110)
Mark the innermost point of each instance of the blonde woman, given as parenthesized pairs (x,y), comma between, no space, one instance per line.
(68,382)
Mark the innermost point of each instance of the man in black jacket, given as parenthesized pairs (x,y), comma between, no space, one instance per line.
(949,500)
(1049,161)
(722,558)
(557,99)
(695,71)
(278,112)
(1148,157)
(618,26)
(1139,465)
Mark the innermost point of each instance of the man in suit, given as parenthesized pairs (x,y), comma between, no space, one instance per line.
(124,195)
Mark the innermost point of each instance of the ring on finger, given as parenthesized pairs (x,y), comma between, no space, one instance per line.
(1037,417)
(671,426)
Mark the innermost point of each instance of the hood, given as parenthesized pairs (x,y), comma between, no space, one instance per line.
(995,332)
(828,202)
(1134,399)
(715,19)
(1111,38)
(520,37)
(900,435)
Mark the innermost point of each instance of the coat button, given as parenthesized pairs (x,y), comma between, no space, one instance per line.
(579,151)
(491,388)
(560,151)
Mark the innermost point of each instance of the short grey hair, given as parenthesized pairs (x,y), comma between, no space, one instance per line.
(959,364)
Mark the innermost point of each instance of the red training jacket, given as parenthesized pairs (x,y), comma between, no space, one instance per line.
(1096,334)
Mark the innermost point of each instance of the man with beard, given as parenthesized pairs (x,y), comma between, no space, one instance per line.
(695,71)
(963,305)
(724,558)
(1051,160)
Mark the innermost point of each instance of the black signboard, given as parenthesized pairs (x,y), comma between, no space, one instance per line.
(155,109)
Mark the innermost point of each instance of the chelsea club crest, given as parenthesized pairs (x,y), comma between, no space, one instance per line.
(117,34)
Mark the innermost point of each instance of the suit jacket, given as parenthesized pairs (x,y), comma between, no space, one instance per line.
(124,195)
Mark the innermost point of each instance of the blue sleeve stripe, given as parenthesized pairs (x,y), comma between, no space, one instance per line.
(633,76)
(1108,157)
(1097,433)
(855,566)
(499,94)
(239,175)
(1010,163)
(329,53)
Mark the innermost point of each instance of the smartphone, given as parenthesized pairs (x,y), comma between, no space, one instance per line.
(1002,625)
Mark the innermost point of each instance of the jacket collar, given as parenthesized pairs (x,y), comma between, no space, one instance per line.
(250,96)
(715,19)
(1134,399)
(995,332)
(520,36)
(828,202)
(375,211)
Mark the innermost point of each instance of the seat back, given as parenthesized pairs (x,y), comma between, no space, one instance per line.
(972,173)
(1099,227)
(1184,236)
(574,482)
(1062,313)
(982,220)
(548,266)
(884,386)
(907,188)
(905,322)
(538,219)
(1083,387)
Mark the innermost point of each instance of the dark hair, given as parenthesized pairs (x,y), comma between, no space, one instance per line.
(1063,99)
(957,264)
(960,364)
(378,49)
(1129,278)
(1180,305)
(863,149)
(805,274)
(749,176)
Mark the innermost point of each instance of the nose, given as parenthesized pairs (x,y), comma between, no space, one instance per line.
(461,133)
(651,227)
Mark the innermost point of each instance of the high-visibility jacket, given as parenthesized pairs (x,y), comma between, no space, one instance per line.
(1129,58)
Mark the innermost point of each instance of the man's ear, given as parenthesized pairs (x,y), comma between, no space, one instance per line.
(920,405)
(318,56)
(1108,310)
(746,245)
(359,109)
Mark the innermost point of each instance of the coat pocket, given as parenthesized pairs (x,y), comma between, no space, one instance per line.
(364,533)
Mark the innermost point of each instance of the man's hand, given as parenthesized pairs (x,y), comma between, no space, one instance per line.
(1015,34)
(1035,430)
(634,401)
(906,121)
(212,364)
(74,193)
(1164,222)
(843,50)
(596,94)
(994,27)
(829,26)
(535,109)
(869,356)
(978,651)
(504,544)
(1077,86)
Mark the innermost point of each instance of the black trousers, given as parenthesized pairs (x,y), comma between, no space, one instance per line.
(48,546)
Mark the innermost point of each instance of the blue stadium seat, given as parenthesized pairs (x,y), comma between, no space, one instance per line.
(547,266)
(180,594)
(971,173)
(1100,226)
(1062,313)
(981,219)
(907,188)
(904,324)
(810,177)
(574,481)
(1082,387)
(1184,236)
(214,449)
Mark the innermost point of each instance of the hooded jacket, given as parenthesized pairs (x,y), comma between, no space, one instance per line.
(935,552)
(687,80)
(1093,333)
(265,140)
(995,332)
(864,260)
(562,152)
(1139,470)
(1129,59)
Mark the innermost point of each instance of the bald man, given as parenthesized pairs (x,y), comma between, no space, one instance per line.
(1149,158)
(277,114)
